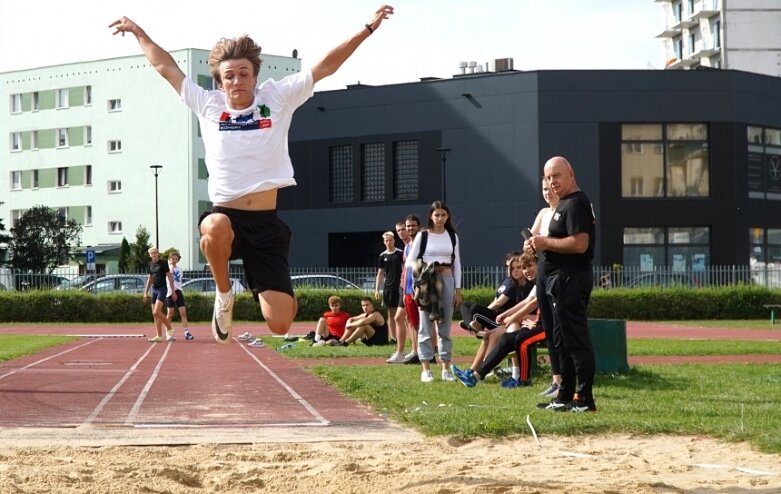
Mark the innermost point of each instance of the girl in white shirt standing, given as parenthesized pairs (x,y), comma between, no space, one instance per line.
(442,246)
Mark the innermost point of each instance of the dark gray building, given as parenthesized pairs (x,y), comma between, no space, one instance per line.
(682,166)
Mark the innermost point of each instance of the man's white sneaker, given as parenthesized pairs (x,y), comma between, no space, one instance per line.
(222,320)
(170,337)
(247,336)
(427,376)
(448,376)
(396,358)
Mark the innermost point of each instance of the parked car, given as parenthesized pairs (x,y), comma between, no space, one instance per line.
(2,287)
(76,282)
(37,281)
(206,286)
(323,282)
(124,283)
(662,279)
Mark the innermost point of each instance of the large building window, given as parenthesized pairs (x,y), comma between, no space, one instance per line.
(373,172)
(765,245)
(340,174)
(62,177)
(62,138)
(16,180)
(63,98)
(16,103)
(681,249)
(16,141)
(763,162)
(665,160)
(405,170)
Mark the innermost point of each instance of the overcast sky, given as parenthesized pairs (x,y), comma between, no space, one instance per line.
(424,38)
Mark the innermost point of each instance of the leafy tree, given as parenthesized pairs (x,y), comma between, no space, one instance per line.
(124,256)
(5,239)
(139,257)
(42,240)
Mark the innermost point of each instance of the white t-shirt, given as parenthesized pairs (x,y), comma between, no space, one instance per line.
(439,248)
(176,274)
(246,150)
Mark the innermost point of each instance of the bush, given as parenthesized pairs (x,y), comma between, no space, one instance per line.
(736,302)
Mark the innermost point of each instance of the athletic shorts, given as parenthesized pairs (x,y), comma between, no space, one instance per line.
(262,242)
(178,303)
(158,294)
(380,337)
(391,297)
(411,307)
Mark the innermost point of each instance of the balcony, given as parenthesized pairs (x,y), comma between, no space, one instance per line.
(669,32)
(707,50)
(685,24)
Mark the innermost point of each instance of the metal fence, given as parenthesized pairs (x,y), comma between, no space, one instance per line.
(481,276)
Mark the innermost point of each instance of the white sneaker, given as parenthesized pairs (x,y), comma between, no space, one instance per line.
(247,336)
(396,358)
(222,320)
(448,376)
(256,343)
(170,337)
(319,343)
(427,376)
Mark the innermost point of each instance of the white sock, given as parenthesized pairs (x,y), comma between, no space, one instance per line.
(224,296)
(318,337)
(516,372)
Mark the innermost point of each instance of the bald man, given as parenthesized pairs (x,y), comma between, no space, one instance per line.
(569,250)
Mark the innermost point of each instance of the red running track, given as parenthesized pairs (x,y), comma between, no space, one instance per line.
(127,381)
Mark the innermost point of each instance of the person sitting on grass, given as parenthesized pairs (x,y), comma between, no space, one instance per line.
(330,328)
(369,326)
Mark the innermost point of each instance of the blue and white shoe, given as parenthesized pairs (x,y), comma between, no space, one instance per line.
(466,377)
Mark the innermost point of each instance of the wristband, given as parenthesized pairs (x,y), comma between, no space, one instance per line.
(371,31)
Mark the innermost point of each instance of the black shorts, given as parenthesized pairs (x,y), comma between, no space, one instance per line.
(178,303)
(262,242)
(380,337)
(158,294)
(391,297)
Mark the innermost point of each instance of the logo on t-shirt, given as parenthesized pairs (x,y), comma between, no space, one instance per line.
(258,119)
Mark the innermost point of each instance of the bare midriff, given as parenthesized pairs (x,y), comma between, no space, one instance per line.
(257,201)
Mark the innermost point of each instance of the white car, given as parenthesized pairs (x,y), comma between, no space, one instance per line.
(206,286)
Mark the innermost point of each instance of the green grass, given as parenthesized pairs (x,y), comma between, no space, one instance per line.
(466,346)
(731,402)
(16,345)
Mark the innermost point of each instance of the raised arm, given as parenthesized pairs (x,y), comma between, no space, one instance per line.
(336,57)
(160,59)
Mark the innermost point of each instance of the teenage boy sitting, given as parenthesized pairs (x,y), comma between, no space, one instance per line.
(330,327)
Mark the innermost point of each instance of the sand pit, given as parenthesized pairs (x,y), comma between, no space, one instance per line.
(618,464)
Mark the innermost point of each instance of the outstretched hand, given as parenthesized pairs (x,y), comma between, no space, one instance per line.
(124,25)
(384,12)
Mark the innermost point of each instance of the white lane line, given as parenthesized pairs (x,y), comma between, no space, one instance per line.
(322,420)
(45,359)
(116,387)
(144,392)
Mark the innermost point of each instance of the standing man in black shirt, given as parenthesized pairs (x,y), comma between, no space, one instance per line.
(569,249)
(158,273)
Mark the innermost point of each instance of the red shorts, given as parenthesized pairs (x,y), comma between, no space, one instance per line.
(413,316)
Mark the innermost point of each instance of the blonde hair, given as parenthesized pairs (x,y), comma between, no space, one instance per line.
(387,235)
(234,49)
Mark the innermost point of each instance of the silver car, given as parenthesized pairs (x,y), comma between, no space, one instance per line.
(123,283)
(207,286)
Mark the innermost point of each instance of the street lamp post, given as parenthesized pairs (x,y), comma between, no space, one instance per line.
(156,170)
(443,152)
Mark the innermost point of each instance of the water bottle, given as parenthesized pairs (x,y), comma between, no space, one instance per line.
(286,346)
